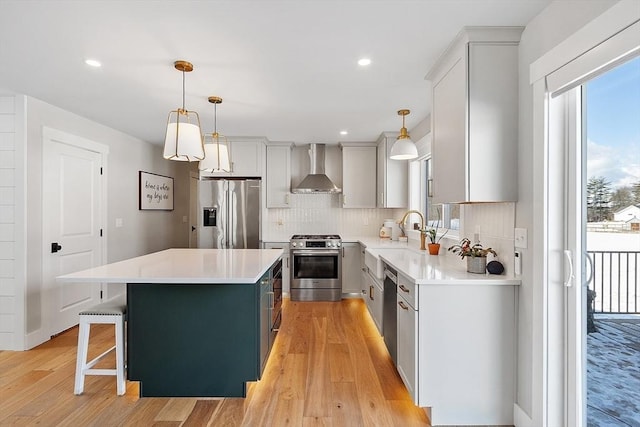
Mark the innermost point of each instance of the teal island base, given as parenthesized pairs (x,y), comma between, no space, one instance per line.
(193,340)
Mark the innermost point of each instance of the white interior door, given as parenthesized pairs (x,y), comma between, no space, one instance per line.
(72,226)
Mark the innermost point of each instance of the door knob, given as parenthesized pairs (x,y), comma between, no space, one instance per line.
(55,247)
(193,228)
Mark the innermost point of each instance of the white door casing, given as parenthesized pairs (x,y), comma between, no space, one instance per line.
(193,211)
(74,209)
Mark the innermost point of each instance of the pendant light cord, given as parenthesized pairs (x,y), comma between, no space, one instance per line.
(215,118)
(183,90)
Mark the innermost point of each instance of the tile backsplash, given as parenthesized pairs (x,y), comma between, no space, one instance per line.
(323,214)
(494,223)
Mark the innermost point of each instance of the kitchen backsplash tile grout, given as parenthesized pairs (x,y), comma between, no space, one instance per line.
(321,213)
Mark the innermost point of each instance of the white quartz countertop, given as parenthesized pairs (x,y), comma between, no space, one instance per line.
(184,266)
(425,269)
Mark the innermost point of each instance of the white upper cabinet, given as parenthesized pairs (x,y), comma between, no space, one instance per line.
(392,179)
(247,159)
(358,175)
(474,117)
(278,175)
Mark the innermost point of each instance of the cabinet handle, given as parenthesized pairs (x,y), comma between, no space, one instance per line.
(430,187)
(286,199)
(404,307)
(371,292)
(344,200)
(404,289)
(287,262)
(272,300)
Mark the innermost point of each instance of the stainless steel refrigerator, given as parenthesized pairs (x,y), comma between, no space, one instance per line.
(229,213)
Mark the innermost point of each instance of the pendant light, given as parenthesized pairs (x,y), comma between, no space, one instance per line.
(216,146)
(183,140)
(403,148)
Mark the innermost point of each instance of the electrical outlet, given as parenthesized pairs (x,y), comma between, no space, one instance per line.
(119,222)
(520,238)
(280,222)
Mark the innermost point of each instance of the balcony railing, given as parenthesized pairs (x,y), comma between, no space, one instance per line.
(615,281)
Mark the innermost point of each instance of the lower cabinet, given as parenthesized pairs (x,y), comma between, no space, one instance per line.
(455,347)
(285,262)
(351,269)
(266,341)
(407,317)
(373,297)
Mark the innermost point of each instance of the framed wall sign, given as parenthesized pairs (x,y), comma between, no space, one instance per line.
(156,192)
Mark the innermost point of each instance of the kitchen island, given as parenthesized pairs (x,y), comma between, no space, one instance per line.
(197,319)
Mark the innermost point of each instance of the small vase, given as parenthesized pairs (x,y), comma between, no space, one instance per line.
(434,248)
(477,264)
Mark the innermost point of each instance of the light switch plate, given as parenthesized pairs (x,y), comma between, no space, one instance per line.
(520,238)
(119,222)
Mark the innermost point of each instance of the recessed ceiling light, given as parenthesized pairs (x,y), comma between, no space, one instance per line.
(344,132)
(92,63)
(363,62)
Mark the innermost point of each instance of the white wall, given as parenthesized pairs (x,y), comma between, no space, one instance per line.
(554,24)
(142,231)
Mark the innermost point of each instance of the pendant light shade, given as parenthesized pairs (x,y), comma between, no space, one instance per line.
(216,147)
(183,140)
(403,148)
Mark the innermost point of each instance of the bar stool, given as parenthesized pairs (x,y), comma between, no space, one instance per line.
(110,312)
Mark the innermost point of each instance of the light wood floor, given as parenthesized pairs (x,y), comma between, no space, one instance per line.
(328,367)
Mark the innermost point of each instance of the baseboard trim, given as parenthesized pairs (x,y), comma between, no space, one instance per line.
(34,339)
(520,418)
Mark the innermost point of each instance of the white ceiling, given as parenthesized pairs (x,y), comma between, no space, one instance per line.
(285,69)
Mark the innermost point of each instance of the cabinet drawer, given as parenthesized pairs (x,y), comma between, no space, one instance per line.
(408,289)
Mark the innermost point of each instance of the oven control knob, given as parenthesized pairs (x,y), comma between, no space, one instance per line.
(338,245)
(330,244)
(294,244)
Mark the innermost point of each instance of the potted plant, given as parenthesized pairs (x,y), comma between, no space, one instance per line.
(434,240)
(475,253)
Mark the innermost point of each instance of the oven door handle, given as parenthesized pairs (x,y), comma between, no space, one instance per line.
(315,252)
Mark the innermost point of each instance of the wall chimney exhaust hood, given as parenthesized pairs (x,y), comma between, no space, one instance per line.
(316,181)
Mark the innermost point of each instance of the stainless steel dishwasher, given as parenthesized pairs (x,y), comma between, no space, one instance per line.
(389,312)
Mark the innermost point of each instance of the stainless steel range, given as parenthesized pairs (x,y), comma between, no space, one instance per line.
(316,272)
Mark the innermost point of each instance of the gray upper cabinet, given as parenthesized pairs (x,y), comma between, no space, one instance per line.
(358,175)
(393,175)
(474,117)
(278,175)
(247,159)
